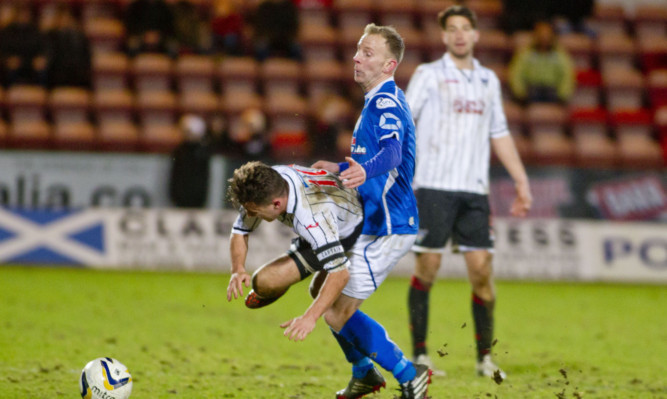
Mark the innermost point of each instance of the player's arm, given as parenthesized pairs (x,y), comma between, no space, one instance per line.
(298,329)
(506,151)
(238,251)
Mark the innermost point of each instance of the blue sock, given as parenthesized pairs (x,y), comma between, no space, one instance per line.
(361,364)
(369,337)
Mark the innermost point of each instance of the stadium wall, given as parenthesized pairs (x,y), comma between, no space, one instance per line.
(169,239)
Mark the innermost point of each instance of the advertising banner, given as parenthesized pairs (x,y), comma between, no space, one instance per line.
(168,239)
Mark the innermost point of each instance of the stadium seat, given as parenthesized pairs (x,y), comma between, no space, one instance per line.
(608,18)
(488,13)
(397,13)
(652,52)
(288,146)
(404,73)
(587,90)
(318,42)
(580,48)
(195,73)
(660,120)
(30,134)
(656,86)
(26,111)
(323,77)
(494,46)
(74,136)
(286,111)
(353,13)
(280,75)
(110,70)
(623,88)
(650,20)
(69,105)
(120,136)
(203,103)
(151,72)
(3,134)
(616,51)
(160,137)
(238,75)
(515,123)
(105,34)
(414,45)
(546,127)
(593,145)
(636,145)
(348,37)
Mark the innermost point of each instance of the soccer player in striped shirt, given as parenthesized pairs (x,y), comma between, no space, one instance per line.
(328,219)
(458,113)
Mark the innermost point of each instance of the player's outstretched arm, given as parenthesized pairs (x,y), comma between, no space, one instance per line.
(238,250)
(355,175)
(298,328)
(507,154)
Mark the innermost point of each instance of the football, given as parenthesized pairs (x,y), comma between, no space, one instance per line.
(105,378)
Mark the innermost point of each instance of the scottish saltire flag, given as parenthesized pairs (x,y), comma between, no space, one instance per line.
(72,237)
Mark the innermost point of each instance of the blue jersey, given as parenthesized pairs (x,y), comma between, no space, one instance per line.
(389,203)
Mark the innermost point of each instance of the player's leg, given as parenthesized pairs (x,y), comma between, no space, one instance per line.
(272,280)
(437,211)
(371,260)
(473,232)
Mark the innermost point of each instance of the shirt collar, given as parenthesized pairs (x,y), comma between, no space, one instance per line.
(449,62)
(377,88)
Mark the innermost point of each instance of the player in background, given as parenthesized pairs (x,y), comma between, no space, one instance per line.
(459,117)
(381,166)
(328,219)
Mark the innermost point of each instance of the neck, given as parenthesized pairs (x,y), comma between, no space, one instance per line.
(464,62)
(371,85)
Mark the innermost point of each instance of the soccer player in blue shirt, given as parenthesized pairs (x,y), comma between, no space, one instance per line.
(381,165)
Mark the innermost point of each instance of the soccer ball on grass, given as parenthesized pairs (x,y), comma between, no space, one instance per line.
(105,378)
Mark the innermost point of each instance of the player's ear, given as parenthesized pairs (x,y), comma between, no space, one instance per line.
(390,66)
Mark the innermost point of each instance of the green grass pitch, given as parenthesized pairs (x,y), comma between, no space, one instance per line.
(181,339)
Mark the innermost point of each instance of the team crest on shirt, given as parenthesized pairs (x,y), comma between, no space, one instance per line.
(390,121)
(384,102)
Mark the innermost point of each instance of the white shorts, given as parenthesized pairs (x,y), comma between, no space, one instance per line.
(371,260)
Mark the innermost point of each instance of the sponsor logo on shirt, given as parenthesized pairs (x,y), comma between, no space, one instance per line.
(463,106)
(384,102)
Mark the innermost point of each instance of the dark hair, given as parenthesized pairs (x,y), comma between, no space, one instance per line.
(255,182)
(458,10)
(391,35)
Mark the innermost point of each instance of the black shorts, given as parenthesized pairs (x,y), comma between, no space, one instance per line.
(304,256)
(465,217)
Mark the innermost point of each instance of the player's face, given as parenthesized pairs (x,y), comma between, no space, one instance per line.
(267,212)
(459,36)
(372,62)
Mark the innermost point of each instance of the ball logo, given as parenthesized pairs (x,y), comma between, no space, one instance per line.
(109,382)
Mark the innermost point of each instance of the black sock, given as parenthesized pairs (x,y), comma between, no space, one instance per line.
(482,313)
(418,307)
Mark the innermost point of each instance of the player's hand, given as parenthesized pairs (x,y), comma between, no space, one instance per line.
(298,328)
(235,287)
(522,202)
(354,176)
(326,165)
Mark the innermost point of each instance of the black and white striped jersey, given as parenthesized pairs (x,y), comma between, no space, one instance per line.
(319,209)
(457,112)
